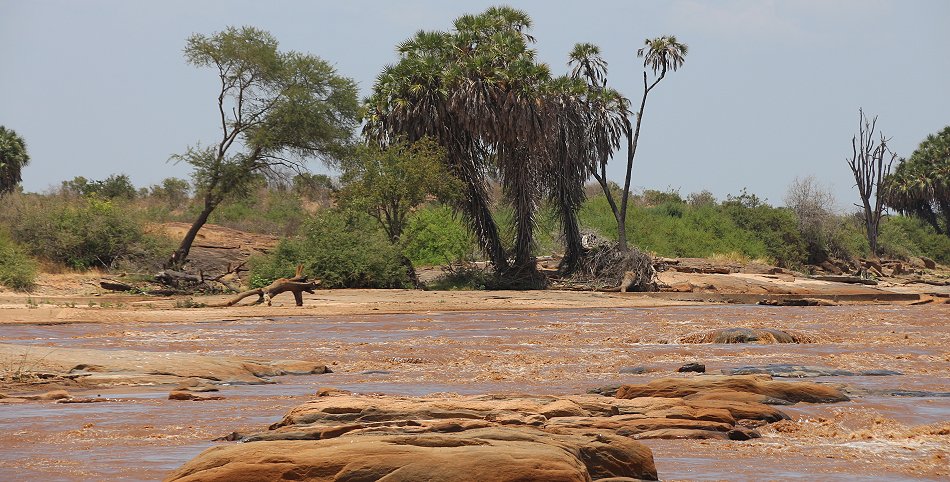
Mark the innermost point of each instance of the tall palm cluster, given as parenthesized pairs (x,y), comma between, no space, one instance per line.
(499,113)
(920,186)
(13,158)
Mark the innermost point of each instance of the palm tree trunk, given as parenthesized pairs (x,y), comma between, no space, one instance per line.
(478,211)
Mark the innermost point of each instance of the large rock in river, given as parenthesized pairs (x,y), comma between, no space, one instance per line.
(485,454)
(96,368)
(753,384)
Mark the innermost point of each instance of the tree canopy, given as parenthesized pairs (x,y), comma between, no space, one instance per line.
(920,186)
(276,110)
(13,158)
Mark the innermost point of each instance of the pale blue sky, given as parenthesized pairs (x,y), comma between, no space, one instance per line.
(770,89)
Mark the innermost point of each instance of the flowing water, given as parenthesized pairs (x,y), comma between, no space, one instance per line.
(897,427)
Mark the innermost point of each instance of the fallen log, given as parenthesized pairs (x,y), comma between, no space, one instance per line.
(297,285)
(113,285)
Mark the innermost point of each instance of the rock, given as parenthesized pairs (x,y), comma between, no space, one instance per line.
(692,367)
(638,370)
(606,390)
(183,395)
(744,335)
(760,384)
(803,371)
(98,368)
(494,454)
(797,302)
(928,263)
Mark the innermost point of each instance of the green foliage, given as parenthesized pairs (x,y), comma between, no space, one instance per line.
(172,191)
(905,236)
(388,183)
(743,225)
(342,249)
(82,232)
(266,210)
(277,108)
(920,186)
(113,187)
(434,235)
(13,158)
(17,270)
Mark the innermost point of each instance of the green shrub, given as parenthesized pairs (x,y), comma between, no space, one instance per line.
(434,235)
(17,270)
(84,232)
(343,250)
(905,236)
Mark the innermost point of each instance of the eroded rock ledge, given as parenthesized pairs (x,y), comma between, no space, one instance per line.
(344,436)
(102,368)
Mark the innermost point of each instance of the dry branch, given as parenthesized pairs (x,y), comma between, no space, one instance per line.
(297,285)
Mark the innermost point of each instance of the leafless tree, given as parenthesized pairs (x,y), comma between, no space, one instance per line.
(870,163)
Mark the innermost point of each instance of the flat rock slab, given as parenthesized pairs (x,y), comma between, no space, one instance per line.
(344,436)
(740,385)
(805,371)
(97,368)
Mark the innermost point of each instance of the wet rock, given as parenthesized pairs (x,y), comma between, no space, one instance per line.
(797,302)
(758,384)
(804,371)
(376,372)
(692,367)
(606,390)
(183,395)
(637,370)
(494,454)
(97,368)
(744,335)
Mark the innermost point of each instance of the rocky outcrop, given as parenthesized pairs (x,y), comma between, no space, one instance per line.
(722,385)
(746,335)
(484,454)
(98,368)
(805,371)
(343,436)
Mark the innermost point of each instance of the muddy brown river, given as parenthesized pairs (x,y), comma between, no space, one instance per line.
(897,427)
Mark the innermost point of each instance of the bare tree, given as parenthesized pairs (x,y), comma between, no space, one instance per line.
(814,206)
(870,163)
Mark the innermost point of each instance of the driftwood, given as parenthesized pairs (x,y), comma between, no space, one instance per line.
(297,285)
(113,285)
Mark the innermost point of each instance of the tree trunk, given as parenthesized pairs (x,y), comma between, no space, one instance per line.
(477,209)
(180,255)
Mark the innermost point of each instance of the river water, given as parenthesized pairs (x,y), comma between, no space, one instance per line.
(896,427)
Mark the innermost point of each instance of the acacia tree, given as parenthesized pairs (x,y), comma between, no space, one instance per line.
(870,163)
(920,186)
(13,158)
(610,112)
(276,110)
(389,183)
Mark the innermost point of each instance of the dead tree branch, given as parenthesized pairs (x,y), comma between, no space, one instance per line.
(869,166)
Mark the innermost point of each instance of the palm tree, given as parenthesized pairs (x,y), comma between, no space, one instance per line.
(920,186)
(477,90)
(13,158)
(660,55)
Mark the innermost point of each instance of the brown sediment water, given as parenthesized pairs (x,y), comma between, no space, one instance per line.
(897,427)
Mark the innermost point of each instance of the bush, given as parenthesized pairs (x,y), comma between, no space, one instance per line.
(83,232)
(17,270)
(905,236)
(434,235)
(343,250)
